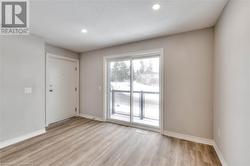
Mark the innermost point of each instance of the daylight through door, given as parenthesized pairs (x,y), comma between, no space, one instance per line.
(133,89)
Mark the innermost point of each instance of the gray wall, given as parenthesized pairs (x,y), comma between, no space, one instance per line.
(23,64)
(1,89)
(60,51)
(231,83)
(188,80)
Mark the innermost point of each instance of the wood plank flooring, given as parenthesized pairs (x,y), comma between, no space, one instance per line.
(83,142)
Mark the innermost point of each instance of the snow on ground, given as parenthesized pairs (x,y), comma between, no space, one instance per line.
(122,99)
(136,86)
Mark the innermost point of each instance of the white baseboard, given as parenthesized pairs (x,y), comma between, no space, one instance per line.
(189,138)
(198,140)
(92,117)
(12,141)
(219,154)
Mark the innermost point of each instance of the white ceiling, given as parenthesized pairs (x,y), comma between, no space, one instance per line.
(113,22)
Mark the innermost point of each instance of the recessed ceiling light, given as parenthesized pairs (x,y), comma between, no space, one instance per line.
(156,6)
(84,30)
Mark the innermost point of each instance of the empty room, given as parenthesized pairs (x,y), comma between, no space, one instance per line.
(125,83)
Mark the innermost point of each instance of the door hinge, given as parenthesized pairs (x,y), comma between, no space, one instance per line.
(75,109)
(75,68)
(75,89)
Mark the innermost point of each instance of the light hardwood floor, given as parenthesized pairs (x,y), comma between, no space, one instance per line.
(83,142)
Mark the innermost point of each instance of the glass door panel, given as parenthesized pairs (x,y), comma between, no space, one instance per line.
(119,90)
(146,91)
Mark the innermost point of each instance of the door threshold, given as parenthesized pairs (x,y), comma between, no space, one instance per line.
(148,128)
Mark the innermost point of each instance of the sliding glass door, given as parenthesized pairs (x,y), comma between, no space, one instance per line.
(146,91)
(119,89)
(133,90)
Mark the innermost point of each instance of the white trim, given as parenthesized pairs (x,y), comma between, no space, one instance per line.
(61,57)
(189,138)
(12,141)
(78,87)
(131,69)
(219,154)
(91,117)
(162,80)
(136,54)
(198,140)
(46,88)
(144,127)
(50,55)
(104,83)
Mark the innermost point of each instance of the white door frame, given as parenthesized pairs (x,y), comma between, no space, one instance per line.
(130,55)
(49,55)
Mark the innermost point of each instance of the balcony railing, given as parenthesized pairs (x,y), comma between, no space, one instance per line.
(141,102)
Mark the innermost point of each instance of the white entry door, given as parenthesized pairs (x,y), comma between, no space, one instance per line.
(61,88)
